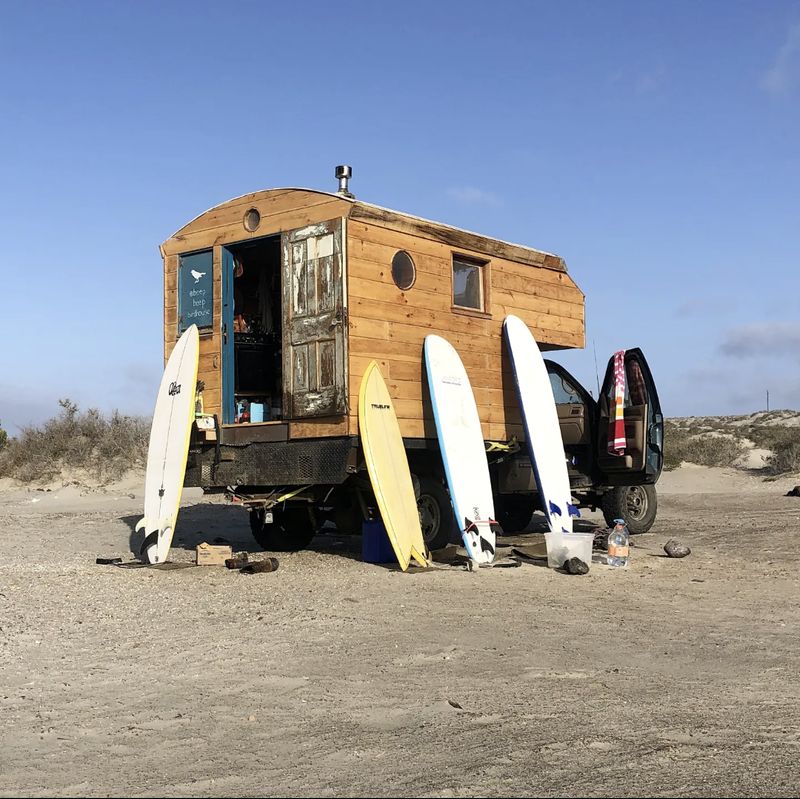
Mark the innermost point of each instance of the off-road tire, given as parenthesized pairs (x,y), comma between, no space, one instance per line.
(436,514)
(637,505)
(292,528)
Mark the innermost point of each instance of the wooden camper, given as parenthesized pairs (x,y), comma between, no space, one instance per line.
(351,282)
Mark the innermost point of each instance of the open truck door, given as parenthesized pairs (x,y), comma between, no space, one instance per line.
(622,485)
(641,460)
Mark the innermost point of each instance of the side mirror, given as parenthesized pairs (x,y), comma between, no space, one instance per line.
(655,434)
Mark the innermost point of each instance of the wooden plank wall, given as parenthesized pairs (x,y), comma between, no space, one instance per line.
(385,323)
(390,325)
(281,209)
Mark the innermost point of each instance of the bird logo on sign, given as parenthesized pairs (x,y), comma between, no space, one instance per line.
(196,275)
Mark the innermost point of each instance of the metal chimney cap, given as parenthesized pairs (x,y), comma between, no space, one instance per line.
(343,173)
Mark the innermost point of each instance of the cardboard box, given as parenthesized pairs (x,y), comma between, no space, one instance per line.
(213,554)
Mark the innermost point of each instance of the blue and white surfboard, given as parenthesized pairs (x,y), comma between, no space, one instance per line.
(463,452)
(542,428)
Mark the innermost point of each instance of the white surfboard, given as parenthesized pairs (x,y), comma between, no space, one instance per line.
(542,429)
(168,447)
(463,452)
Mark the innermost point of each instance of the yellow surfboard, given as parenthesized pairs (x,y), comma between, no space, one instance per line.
(387,465)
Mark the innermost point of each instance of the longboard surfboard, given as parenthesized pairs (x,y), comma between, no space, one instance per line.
(542,428)
(388,468)
(458,428)
(168,447)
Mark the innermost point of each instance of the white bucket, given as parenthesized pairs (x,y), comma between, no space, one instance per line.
(563,546)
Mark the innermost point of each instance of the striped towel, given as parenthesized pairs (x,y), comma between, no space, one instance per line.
(616,427)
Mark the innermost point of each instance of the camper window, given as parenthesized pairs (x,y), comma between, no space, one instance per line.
(252,219)
(404,272)
(468,289)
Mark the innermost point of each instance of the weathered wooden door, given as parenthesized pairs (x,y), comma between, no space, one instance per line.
(314,322)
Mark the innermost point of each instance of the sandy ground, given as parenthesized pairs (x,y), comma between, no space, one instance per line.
(336,677)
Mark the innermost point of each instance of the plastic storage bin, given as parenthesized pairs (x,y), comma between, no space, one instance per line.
(563,546)
(375,544)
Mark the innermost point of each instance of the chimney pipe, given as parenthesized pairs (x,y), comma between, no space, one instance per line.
(343,174)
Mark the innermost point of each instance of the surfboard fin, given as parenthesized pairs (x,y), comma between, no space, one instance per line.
(150,540)
(140,524)
(573,510)
(474,529)
(554,509)
(421,560)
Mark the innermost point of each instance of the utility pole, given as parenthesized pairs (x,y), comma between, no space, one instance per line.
(767,399)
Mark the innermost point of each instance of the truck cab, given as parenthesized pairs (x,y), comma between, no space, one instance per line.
(621,485)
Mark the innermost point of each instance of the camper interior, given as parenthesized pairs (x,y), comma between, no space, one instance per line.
(254,388)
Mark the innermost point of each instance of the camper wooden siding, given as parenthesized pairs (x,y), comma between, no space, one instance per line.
(384,322)
(390,325)
(279,210)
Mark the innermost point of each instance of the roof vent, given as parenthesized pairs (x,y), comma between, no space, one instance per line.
(343,174)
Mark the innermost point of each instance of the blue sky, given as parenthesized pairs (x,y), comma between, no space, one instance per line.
(653,146)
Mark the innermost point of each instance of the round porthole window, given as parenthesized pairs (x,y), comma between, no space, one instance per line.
(404,272)
(252,219)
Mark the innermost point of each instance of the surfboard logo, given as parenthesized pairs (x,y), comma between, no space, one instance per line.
(379,407)
(174,389)
(451,381)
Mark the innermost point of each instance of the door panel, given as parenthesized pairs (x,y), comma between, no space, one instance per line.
(633,459)
(315,324)
(643,458)
(572,419)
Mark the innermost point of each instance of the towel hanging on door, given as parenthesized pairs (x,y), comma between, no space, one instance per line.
(616,428)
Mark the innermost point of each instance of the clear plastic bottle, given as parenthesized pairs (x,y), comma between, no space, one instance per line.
(618,544)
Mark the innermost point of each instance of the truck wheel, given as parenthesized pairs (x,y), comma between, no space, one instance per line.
(435,514)
(637,505)
(292,528)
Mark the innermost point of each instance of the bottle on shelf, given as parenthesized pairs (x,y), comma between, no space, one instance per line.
(618,544)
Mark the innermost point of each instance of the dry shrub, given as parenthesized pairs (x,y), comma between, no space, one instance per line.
(782,441)
(773,436)
(106,447)
(684,444)
(785,458)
